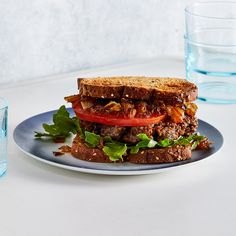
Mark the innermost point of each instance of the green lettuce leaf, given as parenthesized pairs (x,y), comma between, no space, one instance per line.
(143,137)
(63,125)
(192,140)
(113,149)
(144,143)
(92,138)
(165,143)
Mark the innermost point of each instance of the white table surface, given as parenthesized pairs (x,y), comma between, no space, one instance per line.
(39,199)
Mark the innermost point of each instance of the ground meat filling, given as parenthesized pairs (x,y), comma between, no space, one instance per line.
(115,132)
(179,121)
(164,129)
(121,108)
(171,130)
(132,132)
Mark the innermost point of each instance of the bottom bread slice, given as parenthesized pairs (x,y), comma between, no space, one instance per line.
(82,151)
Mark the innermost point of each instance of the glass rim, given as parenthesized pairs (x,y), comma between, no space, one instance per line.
(187,9)
(208,44)
(3,103)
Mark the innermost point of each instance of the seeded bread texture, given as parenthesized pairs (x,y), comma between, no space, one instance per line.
(81,151)
(169,90)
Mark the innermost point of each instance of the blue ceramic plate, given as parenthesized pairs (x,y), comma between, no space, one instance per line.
(42,150)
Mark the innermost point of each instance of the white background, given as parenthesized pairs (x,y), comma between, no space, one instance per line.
(45,37)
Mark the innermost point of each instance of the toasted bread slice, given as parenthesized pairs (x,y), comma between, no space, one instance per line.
(169,90)
(145,156)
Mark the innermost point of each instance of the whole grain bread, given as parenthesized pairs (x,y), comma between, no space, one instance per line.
(169,90)
(81,151)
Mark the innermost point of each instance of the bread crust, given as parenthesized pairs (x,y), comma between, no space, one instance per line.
(83,152)
(169,90)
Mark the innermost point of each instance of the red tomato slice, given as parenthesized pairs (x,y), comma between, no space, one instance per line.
(116,121)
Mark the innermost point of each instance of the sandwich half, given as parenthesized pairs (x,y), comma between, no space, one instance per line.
(136,119)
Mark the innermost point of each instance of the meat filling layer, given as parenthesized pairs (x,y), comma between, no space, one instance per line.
(179,120)
(164,129)
(129,108)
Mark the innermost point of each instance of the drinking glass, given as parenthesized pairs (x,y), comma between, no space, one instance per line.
(210,50)
(3,136)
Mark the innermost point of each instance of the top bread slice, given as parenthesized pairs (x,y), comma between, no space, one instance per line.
(168,90)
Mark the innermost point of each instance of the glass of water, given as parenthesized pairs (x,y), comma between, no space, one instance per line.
(210,50)
(3,136)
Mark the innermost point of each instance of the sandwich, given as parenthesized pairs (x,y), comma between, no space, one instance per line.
(143,120)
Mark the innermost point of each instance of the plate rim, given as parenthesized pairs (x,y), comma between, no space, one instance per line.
(92,170)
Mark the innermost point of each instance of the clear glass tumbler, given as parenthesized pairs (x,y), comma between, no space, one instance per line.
(3,136)
(210,50)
